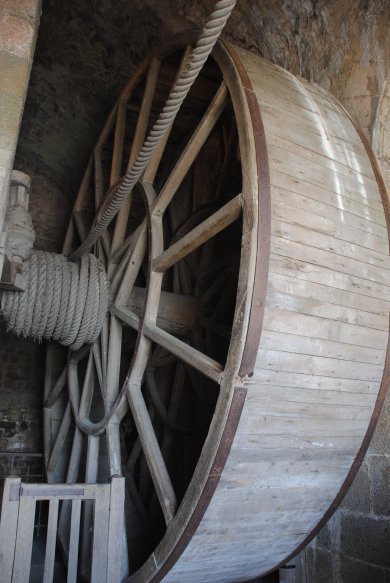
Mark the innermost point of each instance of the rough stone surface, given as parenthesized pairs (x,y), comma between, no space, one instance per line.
(366,538)
(359,572)
(358,496)
(21,382)
(320,566)
(379,471)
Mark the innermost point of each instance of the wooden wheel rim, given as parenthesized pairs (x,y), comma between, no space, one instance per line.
(246,333)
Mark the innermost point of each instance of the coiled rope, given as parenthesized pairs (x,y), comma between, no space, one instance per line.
(63,301)
(197,59)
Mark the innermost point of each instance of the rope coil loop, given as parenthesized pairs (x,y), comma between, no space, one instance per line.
(63,301)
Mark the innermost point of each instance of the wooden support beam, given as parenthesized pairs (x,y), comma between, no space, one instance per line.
(204,364)
(191,150)
(177,313)
(218,221)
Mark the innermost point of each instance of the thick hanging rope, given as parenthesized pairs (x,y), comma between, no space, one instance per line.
(63,301)
(197,59)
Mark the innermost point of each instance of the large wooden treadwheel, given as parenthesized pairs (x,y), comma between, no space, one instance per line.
(240,364)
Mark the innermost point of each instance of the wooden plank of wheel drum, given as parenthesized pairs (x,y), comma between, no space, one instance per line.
(302,421)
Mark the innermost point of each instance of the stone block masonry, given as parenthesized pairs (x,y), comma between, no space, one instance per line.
(18,31)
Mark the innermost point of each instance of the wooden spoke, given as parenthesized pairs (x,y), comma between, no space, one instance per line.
(79,224)
(134,455)
(204,364)
(120,125)
(176,314)
(153,455)
(144,113)
(133,267)
(133,241)
(98,177)
(57,389)
(126,316)
(192,149)
(136,499)
(59,442)
(169,417)
(138,139)
(230,153)
(98,365)
(154,162)
(173,410)
(218,221)
(114,359)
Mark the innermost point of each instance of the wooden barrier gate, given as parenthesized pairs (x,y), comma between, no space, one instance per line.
(106,504)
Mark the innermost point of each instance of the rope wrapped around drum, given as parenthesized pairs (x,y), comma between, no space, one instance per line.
(63,300)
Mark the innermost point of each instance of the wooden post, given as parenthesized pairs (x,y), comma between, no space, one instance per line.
(24,540)
(116,528)
(100,535)
(8,526)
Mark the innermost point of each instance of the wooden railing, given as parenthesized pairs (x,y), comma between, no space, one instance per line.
(17,529)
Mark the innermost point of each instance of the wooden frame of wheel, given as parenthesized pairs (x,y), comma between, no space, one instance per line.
(307,365)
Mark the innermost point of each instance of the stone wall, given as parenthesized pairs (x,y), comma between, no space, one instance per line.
(21,368)
(18,30)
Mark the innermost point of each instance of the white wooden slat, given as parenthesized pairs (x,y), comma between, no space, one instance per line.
(314,173)
(352,168)
(8,527)
(327,329)
(312,396)
(298,102)
(312,306)
(100,535)
(329,260)
(90,478)
(307,271)
(290,342)
(289,521)
(286,211)
(300,193)
(24,540)
(313,239)
(74,541)
(328,367)
(291,285)
(313,381)
(317,429)
(332,127)
(314,410)
(51,540)
(275,119)
(116,528)
(271,445)
(280,124)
